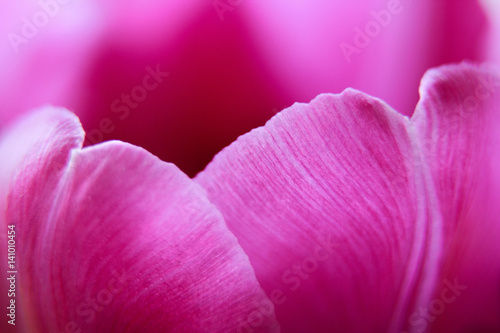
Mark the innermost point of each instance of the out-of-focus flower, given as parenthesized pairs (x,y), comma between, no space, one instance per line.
(224,76)
(492,9)
(354,218)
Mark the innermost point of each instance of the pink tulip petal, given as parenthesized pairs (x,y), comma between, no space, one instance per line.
(46,142)
(457,120)
(111,239)
(329,206)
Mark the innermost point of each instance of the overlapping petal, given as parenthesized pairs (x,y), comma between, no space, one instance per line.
(457,122)
(330,205)
(403,210)
(112,239)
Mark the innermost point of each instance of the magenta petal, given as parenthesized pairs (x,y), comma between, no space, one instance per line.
(328,204)
(39,145)
(458,122)
(111,239)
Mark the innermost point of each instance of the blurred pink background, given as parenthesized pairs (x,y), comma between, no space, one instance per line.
(231,64)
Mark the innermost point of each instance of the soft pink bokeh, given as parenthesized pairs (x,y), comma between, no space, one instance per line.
(226,76)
